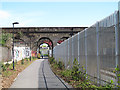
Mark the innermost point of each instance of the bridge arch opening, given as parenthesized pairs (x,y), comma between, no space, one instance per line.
(48,41)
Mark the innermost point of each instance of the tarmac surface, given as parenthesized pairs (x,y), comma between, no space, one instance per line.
(39,75)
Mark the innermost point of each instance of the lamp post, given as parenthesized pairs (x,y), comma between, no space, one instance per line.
(13,44)
(30,48)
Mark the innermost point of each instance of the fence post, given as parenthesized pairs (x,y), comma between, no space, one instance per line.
(68,51)
(117,42)
(98,61)
(85,37)
(78,47)
(72,51)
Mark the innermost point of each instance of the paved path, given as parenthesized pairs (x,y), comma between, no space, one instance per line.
(39,75)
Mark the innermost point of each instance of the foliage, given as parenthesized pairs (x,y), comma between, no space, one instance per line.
(52,60)
(38,55)
(22,61)
(76,73)
(61,65)
(45,54)
(11,66)
(117,71)
(5,38)
(7,73)
(55,66)
(20,34)
(5,66)
(76,76)
(33,58)
(66,73)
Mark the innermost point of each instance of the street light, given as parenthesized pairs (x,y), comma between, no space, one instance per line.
(13,43)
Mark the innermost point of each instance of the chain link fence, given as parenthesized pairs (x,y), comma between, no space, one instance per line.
(95,48)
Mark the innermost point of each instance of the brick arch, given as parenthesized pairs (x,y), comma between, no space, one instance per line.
(38,44)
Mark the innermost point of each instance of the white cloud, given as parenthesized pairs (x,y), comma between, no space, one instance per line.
(4,14)
(24,19)
(59,0)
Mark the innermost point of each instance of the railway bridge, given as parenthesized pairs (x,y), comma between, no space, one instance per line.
(35,36)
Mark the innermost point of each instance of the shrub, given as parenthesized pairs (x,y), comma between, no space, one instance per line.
(61,65)
(11,66)
(45,55)
(66,73)
(7,73)
(52,60)
(38,55)
(22,61)
(3,67)
(7,65)
(55,66)
(33,58)
(75,70)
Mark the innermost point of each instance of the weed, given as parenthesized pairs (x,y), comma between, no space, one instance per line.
(66,73)
(38,55)
(52,60)
(7,65)
(61,65)
(10,67)
(7,73)
(3,67)
(22,61)
(76,76)
(75,70)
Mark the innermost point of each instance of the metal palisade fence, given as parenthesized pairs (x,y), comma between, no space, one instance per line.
(96,49)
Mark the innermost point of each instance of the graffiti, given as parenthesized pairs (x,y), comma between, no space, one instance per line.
(27,52)
(16,53)
(21,52)
(34,53)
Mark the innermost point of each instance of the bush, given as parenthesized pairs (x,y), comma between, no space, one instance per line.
(7,65)
(22,61)
(75,70)
(33,58)
(7,73)
(61,65)
(66,73)
(52,60)
(11,66)
(38,55)
(3,67)
(45,55)
(55,66)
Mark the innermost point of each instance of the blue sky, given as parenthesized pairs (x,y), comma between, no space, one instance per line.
(54,14)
